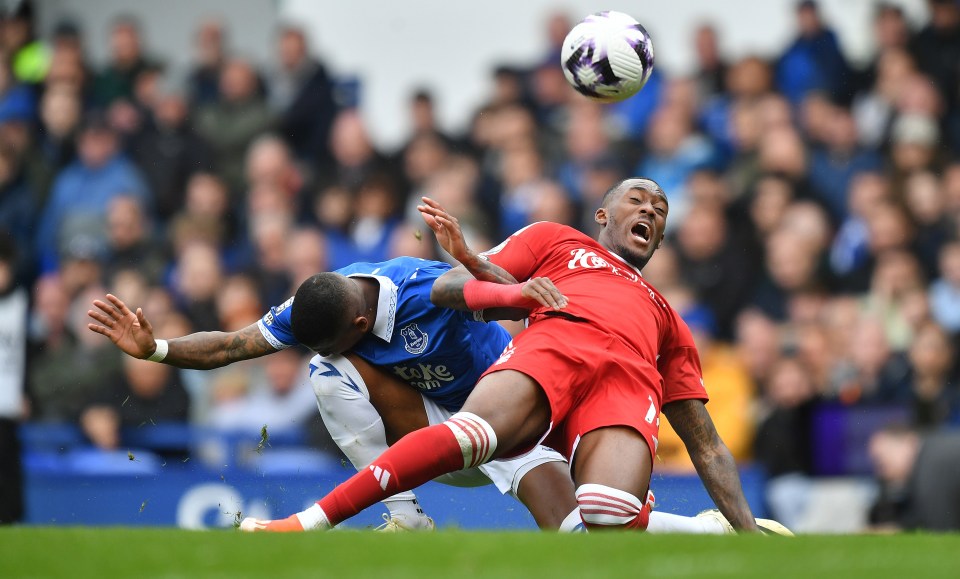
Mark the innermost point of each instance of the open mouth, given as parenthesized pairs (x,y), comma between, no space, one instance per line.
(641,231)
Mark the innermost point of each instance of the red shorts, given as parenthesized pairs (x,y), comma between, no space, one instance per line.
(591,379)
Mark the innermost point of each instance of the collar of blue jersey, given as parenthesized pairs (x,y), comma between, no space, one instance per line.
(386,306)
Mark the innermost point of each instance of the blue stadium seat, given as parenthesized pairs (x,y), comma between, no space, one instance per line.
(292,461)
(94,461)
(50,436)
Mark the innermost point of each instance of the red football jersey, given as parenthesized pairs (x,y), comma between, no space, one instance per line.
(604,290)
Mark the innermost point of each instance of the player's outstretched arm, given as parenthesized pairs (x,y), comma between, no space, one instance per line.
(447,230)
(132,333)
(459,288)
(713,460)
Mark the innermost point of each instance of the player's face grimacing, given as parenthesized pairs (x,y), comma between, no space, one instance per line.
(633,223)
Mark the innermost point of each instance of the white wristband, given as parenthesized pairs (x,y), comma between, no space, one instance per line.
(161,352)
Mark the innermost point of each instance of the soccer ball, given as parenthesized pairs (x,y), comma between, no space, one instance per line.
(608,57)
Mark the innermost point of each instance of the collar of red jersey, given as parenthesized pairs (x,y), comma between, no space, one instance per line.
(386,306)
(627,263)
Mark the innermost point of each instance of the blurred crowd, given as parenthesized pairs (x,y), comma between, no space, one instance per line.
(812,244)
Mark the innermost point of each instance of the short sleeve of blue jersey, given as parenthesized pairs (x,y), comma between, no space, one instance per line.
(275,326)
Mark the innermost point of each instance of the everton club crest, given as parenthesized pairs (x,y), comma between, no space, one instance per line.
(414,339)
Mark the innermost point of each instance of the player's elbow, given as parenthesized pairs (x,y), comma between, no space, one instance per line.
(447,292)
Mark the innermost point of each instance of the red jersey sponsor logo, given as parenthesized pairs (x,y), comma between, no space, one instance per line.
(582,258)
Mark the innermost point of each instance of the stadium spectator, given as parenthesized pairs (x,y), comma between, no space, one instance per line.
(706,247)
(874,107)
(934,395)
(306,254)
(195,282)
(925,201)
(232,122)
(920,480)
(54,147)
(238,303)
(711,66)
(283,399)
(833,166)
(784,439)
(18,215)
(146,394)
(937,45)
(210,55)
(891,31)
(851,245)
(731,390)
(68,65)
(814,60)
(67,368)
(587,142)
(14,307)
(206,216)
(127,61)
(673,152)
(169,152)
(354,157)
(270,233)
(522,168)
(27,53)
(301,96)
(424,154)
(130,243)
(874,372)
(82,192)
(945,290)
(896,274)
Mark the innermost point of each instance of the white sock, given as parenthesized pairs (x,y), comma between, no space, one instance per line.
(670,523)
(314,519)
(573,523)
(404,508)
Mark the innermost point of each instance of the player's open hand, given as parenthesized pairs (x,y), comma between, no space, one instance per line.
(446,228)
(544,292)
(131,332)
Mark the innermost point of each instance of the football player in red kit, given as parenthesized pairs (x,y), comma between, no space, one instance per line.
(589,375)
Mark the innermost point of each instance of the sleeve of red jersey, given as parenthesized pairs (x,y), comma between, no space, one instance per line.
(679,365)
(518,254)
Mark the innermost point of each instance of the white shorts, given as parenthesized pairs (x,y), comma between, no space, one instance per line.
(349,416)
(505,474)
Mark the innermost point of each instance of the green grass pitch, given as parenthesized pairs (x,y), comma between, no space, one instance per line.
(122,552)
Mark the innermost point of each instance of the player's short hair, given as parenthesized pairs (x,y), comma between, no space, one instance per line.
(317,313)
(629,183)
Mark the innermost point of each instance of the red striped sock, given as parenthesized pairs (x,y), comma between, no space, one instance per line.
(415,459)
(603,507)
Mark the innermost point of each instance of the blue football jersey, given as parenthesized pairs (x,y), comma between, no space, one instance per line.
(439,351)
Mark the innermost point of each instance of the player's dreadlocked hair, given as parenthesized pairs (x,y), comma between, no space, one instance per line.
(317,314)
(632,183)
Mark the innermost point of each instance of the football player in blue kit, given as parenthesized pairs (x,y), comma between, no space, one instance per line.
(397,363)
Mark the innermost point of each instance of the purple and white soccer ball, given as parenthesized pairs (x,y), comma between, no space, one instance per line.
(608,57)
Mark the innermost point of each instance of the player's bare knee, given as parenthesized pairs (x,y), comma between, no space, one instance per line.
(475,436)
(604,507)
